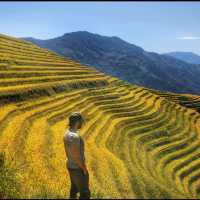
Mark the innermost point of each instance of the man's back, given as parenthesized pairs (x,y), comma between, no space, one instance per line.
(69,139)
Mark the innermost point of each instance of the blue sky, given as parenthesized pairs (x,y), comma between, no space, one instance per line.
(155,26)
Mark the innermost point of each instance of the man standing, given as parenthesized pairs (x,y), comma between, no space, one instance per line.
(74,148)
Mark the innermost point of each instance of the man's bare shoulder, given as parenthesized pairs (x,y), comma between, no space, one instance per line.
(71,137)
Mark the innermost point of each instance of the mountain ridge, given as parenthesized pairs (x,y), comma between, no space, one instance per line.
(189,57)
(116,57)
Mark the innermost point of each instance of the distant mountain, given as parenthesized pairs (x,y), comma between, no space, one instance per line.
(126,61)
(186,56)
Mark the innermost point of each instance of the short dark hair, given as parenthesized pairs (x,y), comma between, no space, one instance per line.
(74,118)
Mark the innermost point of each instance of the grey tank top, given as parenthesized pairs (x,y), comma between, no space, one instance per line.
(73,138)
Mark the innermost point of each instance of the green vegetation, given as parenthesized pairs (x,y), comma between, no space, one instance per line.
(9,186)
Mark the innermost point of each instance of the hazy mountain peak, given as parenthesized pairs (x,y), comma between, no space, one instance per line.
(189,57)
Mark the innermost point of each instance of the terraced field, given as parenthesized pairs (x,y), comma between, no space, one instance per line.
(187,100)
(139,144)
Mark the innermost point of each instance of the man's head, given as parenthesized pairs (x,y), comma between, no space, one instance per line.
(76,120)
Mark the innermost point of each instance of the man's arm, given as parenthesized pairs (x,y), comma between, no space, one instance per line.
(76,156)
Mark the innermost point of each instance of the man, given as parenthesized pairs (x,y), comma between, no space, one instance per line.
(74,148)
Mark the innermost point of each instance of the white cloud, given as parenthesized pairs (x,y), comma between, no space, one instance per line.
(188,38)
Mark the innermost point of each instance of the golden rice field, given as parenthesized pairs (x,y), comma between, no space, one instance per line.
(140,143)
(187,100)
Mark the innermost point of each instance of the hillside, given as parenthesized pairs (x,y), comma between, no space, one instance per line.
(186,100)
(185,56)
(126,61)
(139,144)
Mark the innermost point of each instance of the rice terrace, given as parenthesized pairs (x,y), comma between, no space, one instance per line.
(147,141)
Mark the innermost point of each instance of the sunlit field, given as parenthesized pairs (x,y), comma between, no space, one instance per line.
(140,143)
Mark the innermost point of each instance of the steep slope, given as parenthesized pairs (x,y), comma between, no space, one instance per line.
(188,57)
(28,69)
(138,144)
(126,61)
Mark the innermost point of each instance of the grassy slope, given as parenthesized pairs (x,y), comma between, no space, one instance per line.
(140,143)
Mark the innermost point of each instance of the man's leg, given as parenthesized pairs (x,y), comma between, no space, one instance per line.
(82,183)
(85,191)
(73,188)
